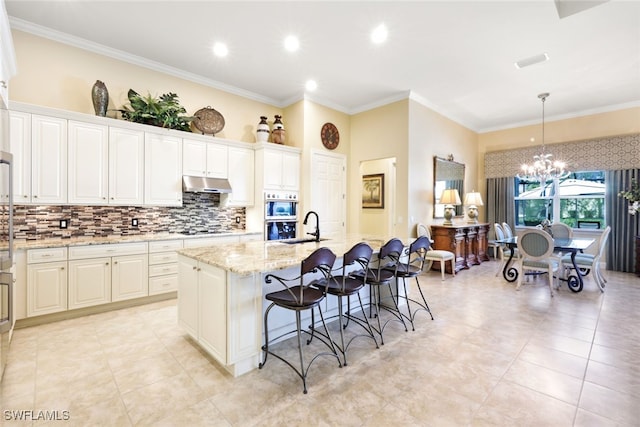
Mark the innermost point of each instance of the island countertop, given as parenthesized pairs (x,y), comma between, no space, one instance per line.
(261,256)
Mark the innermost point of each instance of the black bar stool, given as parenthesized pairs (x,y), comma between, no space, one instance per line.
(412,268)
(315,271)
(347,284)
(380,276)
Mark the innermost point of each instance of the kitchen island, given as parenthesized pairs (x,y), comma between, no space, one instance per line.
(221,293)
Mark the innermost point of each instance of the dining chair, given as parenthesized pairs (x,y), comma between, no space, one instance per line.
(504,253)
(438,255)
(590,262)
(493,244)
(536,254)
(299,294)
(346,284)
(561,230)
(508,232)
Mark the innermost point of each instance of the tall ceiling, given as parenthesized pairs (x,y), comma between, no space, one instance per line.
(456,57)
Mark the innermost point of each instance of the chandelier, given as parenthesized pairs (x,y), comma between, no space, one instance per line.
(543,167)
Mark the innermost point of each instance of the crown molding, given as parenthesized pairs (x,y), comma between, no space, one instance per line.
(80,43)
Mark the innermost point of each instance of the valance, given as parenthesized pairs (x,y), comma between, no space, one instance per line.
(608,153)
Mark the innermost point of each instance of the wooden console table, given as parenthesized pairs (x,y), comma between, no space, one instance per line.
(469,243)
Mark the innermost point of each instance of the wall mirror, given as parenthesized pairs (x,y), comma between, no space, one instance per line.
(447,174)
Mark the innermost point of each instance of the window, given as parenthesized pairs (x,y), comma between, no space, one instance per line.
(577,200)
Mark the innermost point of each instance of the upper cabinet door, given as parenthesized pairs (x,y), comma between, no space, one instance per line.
(281,170)
(201,158)
(20,146)
(49,159)
(194,158)
(162,170)
(241,177)
(88,163)
(217,160)
(126,167)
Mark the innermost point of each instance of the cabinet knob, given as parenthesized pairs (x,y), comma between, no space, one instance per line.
(35,196)
(106,263)
(195,268)
(25,196)
(61,268)
(199,269)
(115,262)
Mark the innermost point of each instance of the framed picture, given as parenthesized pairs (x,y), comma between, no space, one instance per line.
(373,191)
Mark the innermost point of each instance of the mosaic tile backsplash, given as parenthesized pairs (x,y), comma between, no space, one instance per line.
(200,211)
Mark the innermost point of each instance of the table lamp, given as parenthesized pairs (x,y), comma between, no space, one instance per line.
(449,198)
(472,200)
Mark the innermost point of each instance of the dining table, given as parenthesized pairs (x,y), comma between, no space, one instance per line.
(564,245)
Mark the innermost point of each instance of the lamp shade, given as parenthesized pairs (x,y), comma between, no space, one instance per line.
(450,197)
(473,198)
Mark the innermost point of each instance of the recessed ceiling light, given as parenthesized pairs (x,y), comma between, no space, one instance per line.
(311,85)
(291,43)
(379,34)
(532,60)
(220,50)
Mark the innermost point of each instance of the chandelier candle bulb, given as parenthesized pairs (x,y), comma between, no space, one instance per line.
(543,168)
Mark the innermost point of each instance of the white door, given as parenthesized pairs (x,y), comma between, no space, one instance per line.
(328,193)
(194,157)
(162,170)
(129,277)
(46,288)
(20,143)
(89,282)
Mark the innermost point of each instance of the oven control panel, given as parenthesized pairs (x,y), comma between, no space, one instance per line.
(281,195)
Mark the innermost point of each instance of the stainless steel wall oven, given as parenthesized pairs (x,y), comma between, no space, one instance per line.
(280,215)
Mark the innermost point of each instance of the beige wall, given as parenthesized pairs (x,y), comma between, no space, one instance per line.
(431,134)
(56,75)
(379,133)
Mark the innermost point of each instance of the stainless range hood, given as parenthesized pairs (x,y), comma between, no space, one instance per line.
(201,184)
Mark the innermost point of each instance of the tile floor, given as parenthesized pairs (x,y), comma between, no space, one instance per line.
(493,356)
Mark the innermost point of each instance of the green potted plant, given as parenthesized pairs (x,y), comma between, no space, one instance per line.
(164,111)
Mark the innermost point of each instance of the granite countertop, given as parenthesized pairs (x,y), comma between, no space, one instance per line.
(78,241)
(261,256)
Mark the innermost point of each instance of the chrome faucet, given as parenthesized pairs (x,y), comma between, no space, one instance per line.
(316,234)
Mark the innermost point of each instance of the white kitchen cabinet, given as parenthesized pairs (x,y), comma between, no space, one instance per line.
(126,167)
(201,158)
(241,177)
(129,277)
(188,295)
(88,173)
(202,305)
(7,57)
(99,274)
(46,281)
(222,312)
(162,170)
(281,169)
(48,159)
(20,146)
(163,266)
(89,282)
(212,313)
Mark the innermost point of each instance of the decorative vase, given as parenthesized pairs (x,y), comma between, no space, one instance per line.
(262,132)
(277,134)
(100,98)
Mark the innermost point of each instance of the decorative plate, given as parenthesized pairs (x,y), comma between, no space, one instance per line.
(208,120)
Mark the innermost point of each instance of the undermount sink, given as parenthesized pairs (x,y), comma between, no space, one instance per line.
(297,241)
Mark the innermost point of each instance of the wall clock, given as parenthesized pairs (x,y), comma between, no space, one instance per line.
(330,136)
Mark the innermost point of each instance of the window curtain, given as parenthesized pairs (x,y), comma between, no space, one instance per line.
(621,253)
(500,201)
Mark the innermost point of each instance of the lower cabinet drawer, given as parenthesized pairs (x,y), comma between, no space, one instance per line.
(163,269)
(163,258)
(162,284)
